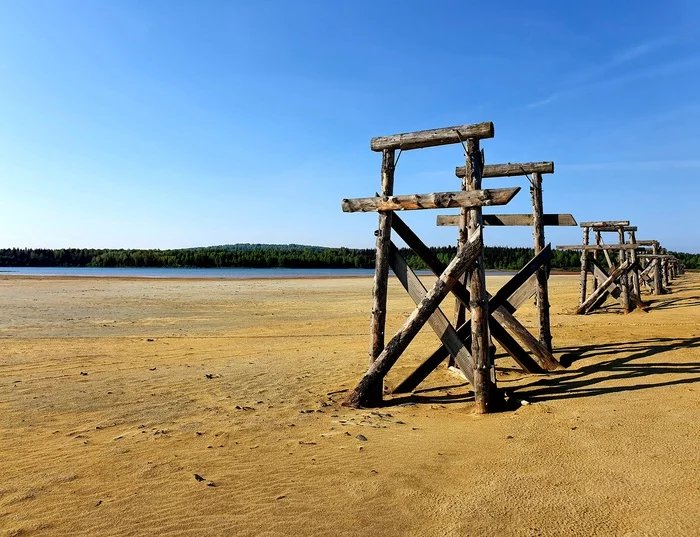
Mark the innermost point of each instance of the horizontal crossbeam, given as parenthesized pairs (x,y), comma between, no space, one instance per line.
(432,137)
(615,229)
(510,170)
(438,200)
(512,220)
(606,223)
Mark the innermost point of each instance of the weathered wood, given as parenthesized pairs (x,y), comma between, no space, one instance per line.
(614,228)
(437,321)
(512,220)
(635,273)
(593,298)
(484,374)
(381,273)
(510,170)
(658,283)
(508,298)
(466,256)
(584,267)
(436,200)
(432,137)
(598,239)
(544,330)
(624,285)
(646,243)
(606,223)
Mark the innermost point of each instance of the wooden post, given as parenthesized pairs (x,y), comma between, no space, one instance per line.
(624,286)
(658,284)
(484,373)
(596,283)
(462,239)
(584,266)
(381,274)
(664,268)
(545,333)
(635,270)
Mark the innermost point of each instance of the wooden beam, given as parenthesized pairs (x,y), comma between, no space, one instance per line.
(583,279)
(433,137)
(511,220)
(606,223)
(647,243)
(437,200)
(466,256)
(611,229)
(510,170)
(437,321)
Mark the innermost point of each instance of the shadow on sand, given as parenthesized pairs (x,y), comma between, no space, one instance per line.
(587,381)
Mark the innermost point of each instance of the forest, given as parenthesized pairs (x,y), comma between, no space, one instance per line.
(273,256)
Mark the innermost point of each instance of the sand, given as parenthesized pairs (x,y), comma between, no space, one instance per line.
(115,393)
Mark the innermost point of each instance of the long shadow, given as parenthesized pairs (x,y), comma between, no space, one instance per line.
(584,382)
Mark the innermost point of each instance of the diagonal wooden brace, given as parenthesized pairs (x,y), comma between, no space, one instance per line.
(595,296)
(437,321)
(466,256)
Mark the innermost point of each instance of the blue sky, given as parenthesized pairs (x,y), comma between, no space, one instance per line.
(175,124)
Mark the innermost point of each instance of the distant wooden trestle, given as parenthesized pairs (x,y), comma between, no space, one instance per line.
(466,341)
(635,267)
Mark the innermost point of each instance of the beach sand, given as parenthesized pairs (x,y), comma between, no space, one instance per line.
(116,393)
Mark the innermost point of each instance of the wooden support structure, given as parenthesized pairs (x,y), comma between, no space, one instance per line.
(625,286)
(478,315)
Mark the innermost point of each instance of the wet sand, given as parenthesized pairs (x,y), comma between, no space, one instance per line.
(115,393)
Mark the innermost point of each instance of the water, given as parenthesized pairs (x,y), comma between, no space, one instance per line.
(213,273)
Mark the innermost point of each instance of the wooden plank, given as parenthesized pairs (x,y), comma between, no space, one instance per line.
(611,229)
(606,223)
(433,137)
(647,243)
(510,170)
(512,220)
(436,200)
(437,321)
(466,256)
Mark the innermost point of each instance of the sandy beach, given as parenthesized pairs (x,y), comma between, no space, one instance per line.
(213,407)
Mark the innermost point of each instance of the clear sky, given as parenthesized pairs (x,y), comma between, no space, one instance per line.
(171,124)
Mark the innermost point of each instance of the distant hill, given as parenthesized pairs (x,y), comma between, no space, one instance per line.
(246,246)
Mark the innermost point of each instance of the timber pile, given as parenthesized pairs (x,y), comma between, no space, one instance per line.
(635,267)
(466,341)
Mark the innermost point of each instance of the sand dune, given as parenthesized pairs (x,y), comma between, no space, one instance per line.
(115,393)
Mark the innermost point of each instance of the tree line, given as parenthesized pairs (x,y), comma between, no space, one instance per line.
(274,256)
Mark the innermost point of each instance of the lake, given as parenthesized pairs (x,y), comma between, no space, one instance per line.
(235,273)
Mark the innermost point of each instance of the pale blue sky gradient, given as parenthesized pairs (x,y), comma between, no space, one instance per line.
(171,124)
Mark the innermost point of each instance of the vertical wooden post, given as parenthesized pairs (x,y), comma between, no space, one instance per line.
(381,273)
(636,289)
(584,266)
(664,268)
(658,284)
(596,283)
(484,373)
(545,333)
(462,239)
(624,285)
